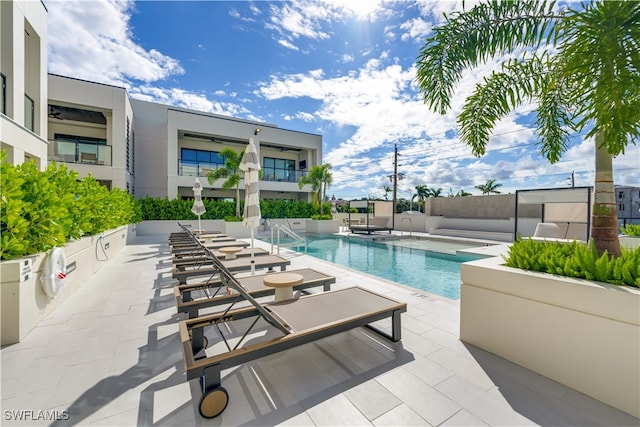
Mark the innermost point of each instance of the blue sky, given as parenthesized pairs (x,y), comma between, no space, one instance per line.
(341,69)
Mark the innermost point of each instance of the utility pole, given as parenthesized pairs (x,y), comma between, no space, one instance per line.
(395,186)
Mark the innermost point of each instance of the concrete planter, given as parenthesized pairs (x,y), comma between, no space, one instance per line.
(585,335)
(322,226)
(24,303)
(630,242)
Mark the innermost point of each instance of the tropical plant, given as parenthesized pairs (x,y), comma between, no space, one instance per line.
(581,69)
(489,187)
(43,209)
(460,193)
(434,192)
(387,190)
(230,172)
(575,260)
(319,177)
(630,229)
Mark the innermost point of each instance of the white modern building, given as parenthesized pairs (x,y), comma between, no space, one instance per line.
(23,73)
(175,145)
(142,147)
(90,130)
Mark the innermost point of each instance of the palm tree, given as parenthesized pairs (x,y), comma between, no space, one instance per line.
(581,69)
(231,171)
(434,192)
(489,187)
(387,190)
(319,177)
(326,179)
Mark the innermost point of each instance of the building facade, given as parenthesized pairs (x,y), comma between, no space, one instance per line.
(23,74)
(628,201)
(176,145)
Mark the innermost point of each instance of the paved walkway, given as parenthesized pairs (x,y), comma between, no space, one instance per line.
(110,356)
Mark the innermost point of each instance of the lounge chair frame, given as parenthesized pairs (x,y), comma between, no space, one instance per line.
(208,368)
(185,302)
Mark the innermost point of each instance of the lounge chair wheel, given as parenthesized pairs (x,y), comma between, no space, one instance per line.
(205,342)
(213,402)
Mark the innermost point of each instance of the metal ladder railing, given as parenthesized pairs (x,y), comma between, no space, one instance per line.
(298,242)
(402,226)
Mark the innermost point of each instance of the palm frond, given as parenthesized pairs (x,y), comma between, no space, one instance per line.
(471,37)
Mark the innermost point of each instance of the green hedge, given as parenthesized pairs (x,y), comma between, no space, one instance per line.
(575,260)
(179,209)
(631,230)
(43,209)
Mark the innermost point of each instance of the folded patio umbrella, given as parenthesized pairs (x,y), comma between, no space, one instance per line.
(250,164)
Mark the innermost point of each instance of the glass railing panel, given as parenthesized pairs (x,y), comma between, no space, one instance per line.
(195,168)
(72,152)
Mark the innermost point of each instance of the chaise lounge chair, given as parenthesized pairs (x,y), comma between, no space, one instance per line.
(296,322)
(254,285)
(183,272)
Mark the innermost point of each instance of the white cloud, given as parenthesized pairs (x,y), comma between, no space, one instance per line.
(416,29)
(92,40)
(181,98)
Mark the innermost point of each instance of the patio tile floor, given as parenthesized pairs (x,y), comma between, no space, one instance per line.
(110,355)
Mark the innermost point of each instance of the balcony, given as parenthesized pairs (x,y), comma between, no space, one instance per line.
(282,175)
(186,168)
(202,169)
(79,152)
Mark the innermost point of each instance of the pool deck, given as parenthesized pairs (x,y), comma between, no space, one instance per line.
(110,355)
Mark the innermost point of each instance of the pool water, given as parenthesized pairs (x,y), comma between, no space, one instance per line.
(433,272)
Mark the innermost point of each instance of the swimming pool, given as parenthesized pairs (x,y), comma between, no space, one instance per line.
(434,272)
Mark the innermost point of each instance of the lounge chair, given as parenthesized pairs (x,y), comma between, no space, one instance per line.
(296,322)
(182,273)
(374,224)
(196,248)
(201,257)
(254,285)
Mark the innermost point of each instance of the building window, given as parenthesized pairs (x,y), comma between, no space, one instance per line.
(199,162)
(3,94)
(620,194)
(128,149)
(29,112)
(620,207)
(279,169)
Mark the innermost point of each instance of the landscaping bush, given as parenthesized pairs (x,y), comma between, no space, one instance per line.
(43,209)
(575,260)
(180,209)
(631,230)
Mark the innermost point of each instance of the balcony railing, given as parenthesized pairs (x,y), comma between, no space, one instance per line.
(79,152)
(195,168)
(282,175)
(202,169)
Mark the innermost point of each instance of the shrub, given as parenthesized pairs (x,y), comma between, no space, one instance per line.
(43,209)
(631,230)
(575,260)
(179,209)
(322,217)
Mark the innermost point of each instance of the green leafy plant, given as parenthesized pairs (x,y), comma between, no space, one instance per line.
(575,260)
(324,217)
(43,209)
(631,230)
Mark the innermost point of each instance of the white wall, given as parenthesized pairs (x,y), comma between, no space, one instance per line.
(23,60)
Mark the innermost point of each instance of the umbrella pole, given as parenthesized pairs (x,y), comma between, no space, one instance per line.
(253,261)
(199,226)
